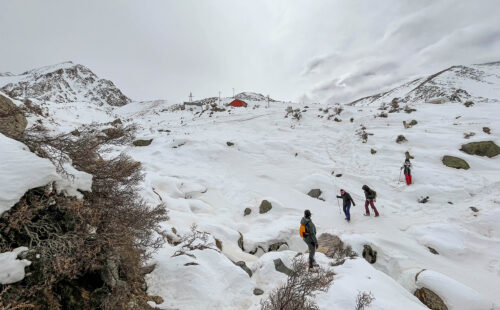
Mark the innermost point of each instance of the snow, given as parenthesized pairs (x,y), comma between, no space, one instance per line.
(202,180)
(21,170)
(11,268)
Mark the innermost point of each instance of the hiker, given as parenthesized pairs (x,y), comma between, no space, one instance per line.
(346,203)
(370,196)
(308,234)
(407,171)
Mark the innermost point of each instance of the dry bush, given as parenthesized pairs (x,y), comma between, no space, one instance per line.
(299,290)
(364,300)
(86,254)
(195,240)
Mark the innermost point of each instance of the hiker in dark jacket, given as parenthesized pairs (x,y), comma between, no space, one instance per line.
(310,236)
(346,203)
(370,195)
(407,171)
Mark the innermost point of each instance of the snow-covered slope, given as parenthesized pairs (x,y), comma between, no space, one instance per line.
(204,180)
(64,82)
(478,83)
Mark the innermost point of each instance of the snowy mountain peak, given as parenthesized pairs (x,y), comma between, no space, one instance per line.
(456,83)
(252,96)
(63,82)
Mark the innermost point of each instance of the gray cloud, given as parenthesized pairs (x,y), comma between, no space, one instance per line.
(308,50)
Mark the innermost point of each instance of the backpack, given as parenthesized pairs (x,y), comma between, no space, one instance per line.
(302,231)
(374,194)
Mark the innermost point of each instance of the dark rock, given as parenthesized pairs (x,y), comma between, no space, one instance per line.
(276,246)
(455,162)
(148,269)
(280,267)
(338,175)
(314,193)
(468,103)
(229,143)
(191,264)
(265,206)
(156,299)
(468,135)
(352,119)
(218,244)
(258,291)
(244,266)
(483,148)
(369,254)
(433,251)
(423,199)
(75,133)
(474,209)
(413,123)
(373,151)
(430,299)
(240,242)
(12,120)
(142,142)
(487,130)
(174,230)
(247,211)
(401,139)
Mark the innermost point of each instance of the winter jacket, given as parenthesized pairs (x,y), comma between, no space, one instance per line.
(407,168)
(346,198)
(310,235)
(369,193)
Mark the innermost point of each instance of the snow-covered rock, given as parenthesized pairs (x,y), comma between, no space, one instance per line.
(11,268)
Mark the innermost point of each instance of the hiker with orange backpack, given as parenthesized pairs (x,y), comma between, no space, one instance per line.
(308,234)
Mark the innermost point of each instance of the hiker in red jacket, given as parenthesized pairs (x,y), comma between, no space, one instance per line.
(407,171)
(370,195)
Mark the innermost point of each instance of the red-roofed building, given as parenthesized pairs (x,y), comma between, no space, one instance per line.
(238,103)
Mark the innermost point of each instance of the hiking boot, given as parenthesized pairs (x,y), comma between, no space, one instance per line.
(376,215)
(366,214)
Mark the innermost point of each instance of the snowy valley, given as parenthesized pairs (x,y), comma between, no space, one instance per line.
(242,175)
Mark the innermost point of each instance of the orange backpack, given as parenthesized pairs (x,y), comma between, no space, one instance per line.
(302,231)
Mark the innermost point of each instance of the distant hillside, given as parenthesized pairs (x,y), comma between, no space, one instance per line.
(64,82)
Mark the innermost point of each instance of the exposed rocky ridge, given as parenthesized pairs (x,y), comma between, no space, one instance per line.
(253,96)
(65,82)
(453,84)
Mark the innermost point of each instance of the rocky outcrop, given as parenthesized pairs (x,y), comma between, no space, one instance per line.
(142,142)
(369,254)
(265,206)
(65,82)
(483,148)
(314,193)
(245,268)
(247,211)
(430,299)
(280,267)
(455,162)
(12,120)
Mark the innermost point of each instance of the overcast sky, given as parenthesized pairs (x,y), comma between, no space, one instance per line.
(308,50)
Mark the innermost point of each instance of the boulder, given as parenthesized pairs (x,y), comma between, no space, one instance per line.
(265,206)
(455,162)
(483,148)
(369,254)
(12,120)
(247,211)
(229,143)
(280,267)
(240,242)
(373,151)
(142,142)
(474,209)
(277,246)
(433,250)
(329,244)
(314,193)
(401,139)
(244,266)
(258,291)
(430,299)
(487,130)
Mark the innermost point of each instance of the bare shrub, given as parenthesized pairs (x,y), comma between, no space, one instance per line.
(86,254)
(364,300)
(299,290)
(195,240)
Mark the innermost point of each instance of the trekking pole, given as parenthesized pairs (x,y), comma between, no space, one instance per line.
(399,180)
(338,205)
